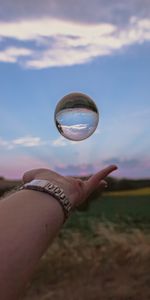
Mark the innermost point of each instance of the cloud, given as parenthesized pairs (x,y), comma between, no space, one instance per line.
(27,141)
(77,127)
(34,141)
(131,167)
(60,43)
(76,170)
(128,162)
(61,142)
(16,165)
(50,27)
(114,11)
(12,55)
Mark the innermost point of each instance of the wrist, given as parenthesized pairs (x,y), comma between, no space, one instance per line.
(61,183)
(53,190)
(70,186)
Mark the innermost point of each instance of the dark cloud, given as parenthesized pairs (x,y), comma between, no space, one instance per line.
(131,167)
(114,11)
(128,163)
(127,168)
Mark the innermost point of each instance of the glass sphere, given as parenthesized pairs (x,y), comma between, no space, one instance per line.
(76,116)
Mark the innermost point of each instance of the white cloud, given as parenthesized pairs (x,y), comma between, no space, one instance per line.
(59,142)
(32,29)
(75,127)
(27,141)
(31,141)
(66,43)
(12,54)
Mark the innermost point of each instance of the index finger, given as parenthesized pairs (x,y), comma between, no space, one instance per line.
(93,181)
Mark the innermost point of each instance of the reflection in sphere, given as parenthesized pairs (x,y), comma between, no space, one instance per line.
(76,116)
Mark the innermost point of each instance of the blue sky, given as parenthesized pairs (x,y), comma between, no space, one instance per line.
(49,49)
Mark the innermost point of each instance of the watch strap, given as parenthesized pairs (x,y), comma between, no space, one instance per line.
(51,189)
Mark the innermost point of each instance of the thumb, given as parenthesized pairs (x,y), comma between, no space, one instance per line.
(30,175)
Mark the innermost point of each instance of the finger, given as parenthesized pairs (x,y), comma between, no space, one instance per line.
(102,184)
(94,181)
(99,189)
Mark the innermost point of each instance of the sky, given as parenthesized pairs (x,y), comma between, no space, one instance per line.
(51,48)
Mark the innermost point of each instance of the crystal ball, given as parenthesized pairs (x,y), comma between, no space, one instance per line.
(76,116)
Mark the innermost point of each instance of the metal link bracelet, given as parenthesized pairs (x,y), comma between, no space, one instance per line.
(51,189)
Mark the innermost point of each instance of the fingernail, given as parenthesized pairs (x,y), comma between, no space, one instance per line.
(116,167)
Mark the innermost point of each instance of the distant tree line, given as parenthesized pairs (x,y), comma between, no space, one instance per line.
(7,185)
(113,184)
(126,184)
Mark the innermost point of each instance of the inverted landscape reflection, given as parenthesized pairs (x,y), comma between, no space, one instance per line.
(76,123)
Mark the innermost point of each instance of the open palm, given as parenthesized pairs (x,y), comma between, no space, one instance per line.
(75,189)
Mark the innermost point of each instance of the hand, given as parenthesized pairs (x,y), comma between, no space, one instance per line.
(76,190)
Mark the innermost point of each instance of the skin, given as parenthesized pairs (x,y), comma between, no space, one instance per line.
(30,220)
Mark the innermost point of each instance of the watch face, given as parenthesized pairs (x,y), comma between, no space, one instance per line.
(38,182)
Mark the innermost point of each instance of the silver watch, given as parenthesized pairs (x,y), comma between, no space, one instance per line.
(52,189)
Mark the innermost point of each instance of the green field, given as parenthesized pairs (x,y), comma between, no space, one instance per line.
(102,252)
(94,258)
(137,192)
(127,208)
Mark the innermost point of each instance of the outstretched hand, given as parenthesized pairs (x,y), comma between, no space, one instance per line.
(75,189)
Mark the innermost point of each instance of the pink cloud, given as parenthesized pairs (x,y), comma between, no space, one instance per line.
(15,167)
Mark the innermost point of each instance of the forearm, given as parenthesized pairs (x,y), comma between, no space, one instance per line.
(29,220)
(33,219)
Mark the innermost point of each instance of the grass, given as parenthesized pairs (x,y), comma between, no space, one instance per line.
(103,253)
(125,210)
(112,265)
(137,192)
